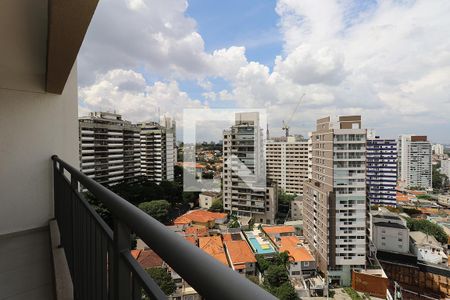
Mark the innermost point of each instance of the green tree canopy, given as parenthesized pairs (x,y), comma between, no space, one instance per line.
(286,292)
(276,275)
(429,228)
(216,206)
(262,263)
(158,209)
(163,279)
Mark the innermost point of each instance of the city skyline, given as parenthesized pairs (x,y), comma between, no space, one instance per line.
(179,54)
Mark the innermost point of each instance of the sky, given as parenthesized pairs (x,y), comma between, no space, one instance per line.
(387,60)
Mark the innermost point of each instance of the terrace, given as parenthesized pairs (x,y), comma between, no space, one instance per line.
(53,245)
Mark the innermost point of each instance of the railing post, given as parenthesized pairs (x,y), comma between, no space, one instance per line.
(122,279)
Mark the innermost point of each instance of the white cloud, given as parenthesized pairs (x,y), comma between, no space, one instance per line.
(127,93)
(389,61)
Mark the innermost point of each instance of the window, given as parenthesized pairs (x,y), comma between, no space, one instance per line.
(306,263)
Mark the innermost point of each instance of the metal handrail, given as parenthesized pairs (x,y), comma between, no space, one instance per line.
(210,278)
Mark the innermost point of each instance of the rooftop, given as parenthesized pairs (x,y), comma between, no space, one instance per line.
(389,224)
(291,245)
(147,258)
(272,230)
(213,246)
(199,216)
(240,252)
(420,238)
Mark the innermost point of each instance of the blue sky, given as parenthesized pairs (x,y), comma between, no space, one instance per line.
(387,60)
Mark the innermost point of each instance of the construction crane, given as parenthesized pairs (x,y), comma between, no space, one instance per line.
(286,124)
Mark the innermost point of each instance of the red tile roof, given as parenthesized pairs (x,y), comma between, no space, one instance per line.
(298,253)
(271,230)
(196,231)
(199,216)
(240,252)
(213,246)
(147,258)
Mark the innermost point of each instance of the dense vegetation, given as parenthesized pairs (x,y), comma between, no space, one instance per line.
(284,202)
(440,181)
(142,190)
(276,277)
(429,228)
(216,206)
(163,279)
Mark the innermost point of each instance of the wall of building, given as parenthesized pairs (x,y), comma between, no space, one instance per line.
(391,239)
(33,127)
(374,285)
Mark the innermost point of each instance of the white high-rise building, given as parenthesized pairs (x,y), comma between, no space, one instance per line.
(445,167)
(109,148)
(287,163)
(158,151)
(334,199)
(246,192)
(414,161)
(438,149)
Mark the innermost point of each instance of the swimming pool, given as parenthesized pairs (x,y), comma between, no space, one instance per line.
(259,248)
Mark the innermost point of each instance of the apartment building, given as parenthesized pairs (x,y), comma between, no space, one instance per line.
(287,163)
(389,232)
(245,189)
(109,148)
(445,167)
(157,149)
(381,171)
(335,198)
(437,149)
(414,161)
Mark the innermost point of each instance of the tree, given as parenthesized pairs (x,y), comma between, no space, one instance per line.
(429,228)
(163,279)
(190,197)
(158,209)
(263,263)
(234,222)
(440,181)
(276,275)
(286,292)
(216,206)
(282,259)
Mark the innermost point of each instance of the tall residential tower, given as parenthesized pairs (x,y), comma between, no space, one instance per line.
(109,148)
(335,198)
(381,171)
(414,162)
(287,163)
(245,189)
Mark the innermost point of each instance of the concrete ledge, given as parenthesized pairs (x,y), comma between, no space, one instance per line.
(61,273)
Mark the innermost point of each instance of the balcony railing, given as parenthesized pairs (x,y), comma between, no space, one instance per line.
(99,258)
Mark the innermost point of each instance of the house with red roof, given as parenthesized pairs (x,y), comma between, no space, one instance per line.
(241,256)
(201,217)
(302,263)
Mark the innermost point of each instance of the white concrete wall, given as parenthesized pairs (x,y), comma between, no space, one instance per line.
(33,127)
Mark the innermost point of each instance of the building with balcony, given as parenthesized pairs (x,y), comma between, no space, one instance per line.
(157,150)
(334,201)
(287,163)
(381,171)
(245,189)
(414,161)
(53,244)
(445,167)
(109,148)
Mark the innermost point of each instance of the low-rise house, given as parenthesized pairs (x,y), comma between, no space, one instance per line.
(241,257)
(427,248)
(147,258)
(201,217)
(213,245)
(206,199)
(302,263)
(274,232)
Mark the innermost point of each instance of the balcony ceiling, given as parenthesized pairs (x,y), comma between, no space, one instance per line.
(40,40)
